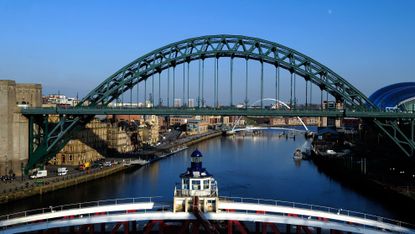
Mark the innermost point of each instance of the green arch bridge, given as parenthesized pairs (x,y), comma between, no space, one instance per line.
(47,138)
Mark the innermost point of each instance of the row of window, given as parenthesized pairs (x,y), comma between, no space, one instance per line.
(196,184)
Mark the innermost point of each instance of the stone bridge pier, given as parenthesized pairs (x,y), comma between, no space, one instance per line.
(13,125)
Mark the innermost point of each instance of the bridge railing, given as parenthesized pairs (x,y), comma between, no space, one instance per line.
(212,108)
(327,209)
(223,110)
(72,206)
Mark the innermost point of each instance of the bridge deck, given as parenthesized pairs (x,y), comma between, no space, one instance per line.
(214,111)
(228,209)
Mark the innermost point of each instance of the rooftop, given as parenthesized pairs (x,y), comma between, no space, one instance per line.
(393,95)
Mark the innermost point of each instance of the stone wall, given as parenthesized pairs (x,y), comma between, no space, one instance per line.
(29,94)
(7,107)
(13,126)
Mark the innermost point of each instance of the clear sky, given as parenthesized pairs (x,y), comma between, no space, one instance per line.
(72,46)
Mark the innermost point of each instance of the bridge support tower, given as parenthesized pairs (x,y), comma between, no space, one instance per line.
(13,125)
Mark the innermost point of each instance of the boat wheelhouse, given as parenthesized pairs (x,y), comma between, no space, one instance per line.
(197,187)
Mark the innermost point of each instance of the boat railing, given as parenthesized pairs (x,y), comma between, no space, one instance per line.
(202,192)
(327,209)
(89,204)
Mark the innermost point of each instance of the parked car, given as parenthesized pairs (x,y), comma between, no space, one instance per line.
(62,171)
(39,174)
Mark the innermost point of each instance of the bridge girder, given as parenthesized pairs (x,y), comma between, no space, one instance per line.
(405,141)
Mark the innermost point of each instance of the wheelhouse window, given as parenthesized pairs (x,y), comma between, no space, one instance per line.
(206,184)
(196,184)
(186,183)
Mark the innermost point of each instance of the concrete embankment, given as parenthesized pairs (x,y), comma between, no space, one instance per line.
(363,171)
(187,141)
(52,184)
(203,138)
(393,197)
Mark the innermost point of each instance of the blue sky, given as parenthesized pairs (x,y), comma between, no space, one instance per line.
(72,46)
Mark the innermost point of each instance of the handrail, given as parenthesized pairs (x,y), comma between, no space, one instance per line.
(57,212)
(224,109)
(331,210)
(69,206)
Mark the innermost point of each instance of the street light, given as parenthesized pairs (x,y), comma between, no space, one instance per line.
(7,165)
(22,168)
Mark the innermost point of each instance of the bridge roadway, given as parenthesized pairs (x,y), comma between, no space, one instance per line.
(225,111)
(229,208)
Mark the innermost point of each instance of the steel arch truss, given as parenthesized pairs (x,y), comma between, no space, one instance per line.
(56,135)
(404,140)
(217,46)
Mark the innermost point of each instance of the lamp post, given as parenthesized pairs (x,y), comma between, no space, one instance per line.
(22,169)
(7,165)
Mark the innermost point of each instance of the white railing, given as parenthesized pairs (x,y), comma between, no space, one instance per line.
(82,205)
(324,209)
(228,206)
(202,193)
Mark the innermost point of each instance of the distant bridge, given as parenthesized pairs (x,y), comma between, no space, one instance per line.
(258,128)
(157,70)
(123,214)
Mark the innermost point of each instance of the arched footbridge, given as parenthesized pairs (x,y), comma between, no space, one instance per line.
(173,80)
(260,128)
(244,215)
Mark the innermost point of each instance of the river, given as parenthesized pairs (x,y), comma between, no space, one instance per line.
(252,166)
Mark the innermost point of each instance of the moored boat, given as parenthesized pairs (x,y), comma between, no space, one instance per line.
(298,154)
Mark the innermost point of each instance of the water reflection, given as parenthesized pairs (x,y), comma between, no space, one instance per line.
(260,167)
(297,162)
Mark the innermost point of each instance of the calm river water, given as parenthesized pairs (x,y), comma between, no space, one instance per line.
(252,166)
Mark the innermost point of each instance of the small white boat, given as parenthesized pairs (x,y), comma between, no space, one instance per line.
(331,152)
(139,161)
(178,149)
(298,154)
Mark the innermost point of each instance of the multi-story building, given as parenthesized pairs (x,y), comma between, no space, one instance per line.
(314,121)
(180,119)
(149,130)
(119,139)
(87,145)
(195,126)
(191,103)
(125,117)
(277,121)
(153,123)
(163,123)
(293,121)
(212,120)
(329,121)
(177,102)
(59,100)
